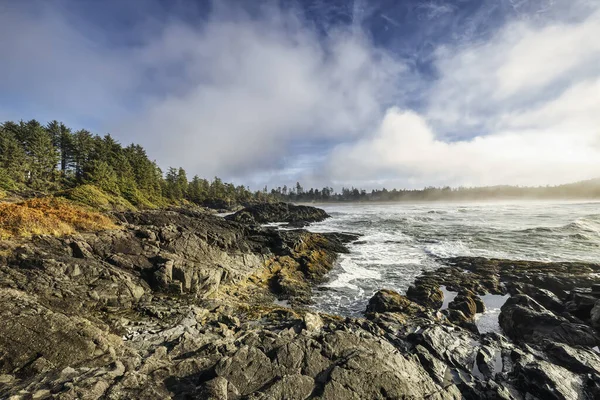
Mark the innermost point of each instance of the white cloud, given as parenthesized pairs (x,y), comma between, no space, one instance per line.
(523,108)
(254,86)
(239,95)
(405,147)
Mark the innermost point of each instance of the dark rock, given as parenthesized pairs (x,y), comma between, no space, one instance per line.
(595,316)
(545,297)
(465,304)
(580,304)
(279,212)
(577,360)
(525,320)
(547,381)
(428,295)
(386,300)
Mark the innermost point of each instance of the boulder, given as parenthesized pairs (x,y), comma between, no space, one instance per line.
(465,304)
(525,320)
(428,295)
(386,300)
(580,304)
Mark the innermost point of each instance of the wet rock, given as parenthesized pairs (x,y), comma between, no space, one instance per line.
(279,212)
(595,315)
(577,360)
(525,320)
(428,295)
(580,304)
(548,381)
(545,297)
(386,300)
(465,304)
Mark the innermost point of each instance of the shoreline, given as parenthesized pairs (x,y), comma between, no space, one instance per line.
(182,303)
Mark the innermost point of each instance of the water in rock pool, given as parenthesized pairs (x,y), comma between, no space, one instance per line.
(400,240)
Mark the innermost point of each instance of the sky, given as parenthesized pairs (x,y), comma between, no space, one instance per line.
(371,94)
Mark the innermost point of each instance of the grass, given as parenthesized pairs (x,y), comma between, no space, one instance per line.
(49,216)
(92,196)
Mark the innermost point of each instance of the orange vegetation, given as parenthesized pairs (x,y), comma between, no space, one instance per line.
(48,216)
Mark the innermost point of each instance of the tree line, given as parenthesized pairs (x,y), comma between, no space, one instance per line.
(585,190)
(53,157)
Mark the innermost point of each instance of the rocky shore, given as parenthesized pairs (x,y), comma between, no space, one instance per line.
(188,305)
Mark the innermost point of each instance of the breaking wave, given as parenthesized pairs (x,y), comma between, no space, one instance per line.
(402,240)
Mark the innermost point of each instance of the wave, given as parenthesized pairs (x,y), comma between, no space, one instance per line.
(350,272)
(585,225)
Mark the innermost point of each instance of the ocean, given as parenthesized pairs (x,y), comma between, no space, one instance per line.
(402,239)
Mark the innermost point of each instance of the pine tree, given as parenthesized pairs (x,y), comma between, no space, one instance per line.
(43,156)
(12,160)
(83,146)
(172,188)
(102,175)
(182,182)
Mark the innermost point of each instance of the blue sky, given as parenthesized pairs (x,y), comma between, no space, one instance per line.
(365,93)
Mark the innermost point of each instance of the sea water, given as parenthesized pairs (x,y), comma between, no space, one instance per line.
(401,240)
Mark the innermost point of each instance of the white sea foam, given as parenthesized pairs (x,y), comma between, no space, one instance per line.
(401,240)
(351,272)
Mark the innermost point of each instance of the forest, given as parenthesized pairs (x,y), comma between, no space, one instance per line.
(53,158)
(79,165)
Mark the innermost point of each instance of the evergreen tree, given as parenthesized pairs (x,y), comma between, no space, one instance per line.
(43,156)
(83,147)
(102,175)
(172,188)
(182,182)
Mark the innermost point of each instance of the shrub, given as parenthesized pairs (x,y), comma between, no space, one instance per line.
(48,216)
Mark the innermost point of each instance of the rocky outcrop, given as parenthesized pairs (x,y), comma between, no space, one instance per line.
(279,212)
(180,304)
(523,319)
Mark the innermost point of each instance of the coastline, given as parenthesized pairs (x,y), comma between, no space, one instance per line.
(180,303)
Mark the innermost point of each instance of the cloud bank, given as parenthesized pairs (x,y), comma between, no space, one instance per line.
(521,108)
(268,95)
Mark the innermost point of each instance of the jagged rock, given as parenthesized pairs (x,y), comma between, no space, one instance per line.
(34,339)
(525,320)
(465,304)
(178,303)
(249,369)
(428,295)
(580,304)
(547,381)
(279,212)
(313,322)
(595,315)
(386,300)
(577,360)
(291,387)
(545,297)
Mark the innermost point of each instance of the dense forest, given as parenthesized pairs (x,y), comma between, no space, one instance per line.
(55,159)
(75,164)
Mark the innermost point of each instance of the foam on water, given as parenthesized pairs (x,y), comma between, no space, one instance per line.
(401,240)
(351,272)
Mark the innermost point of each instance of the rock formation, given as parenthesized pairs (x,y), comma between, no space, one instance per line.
(184,304)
